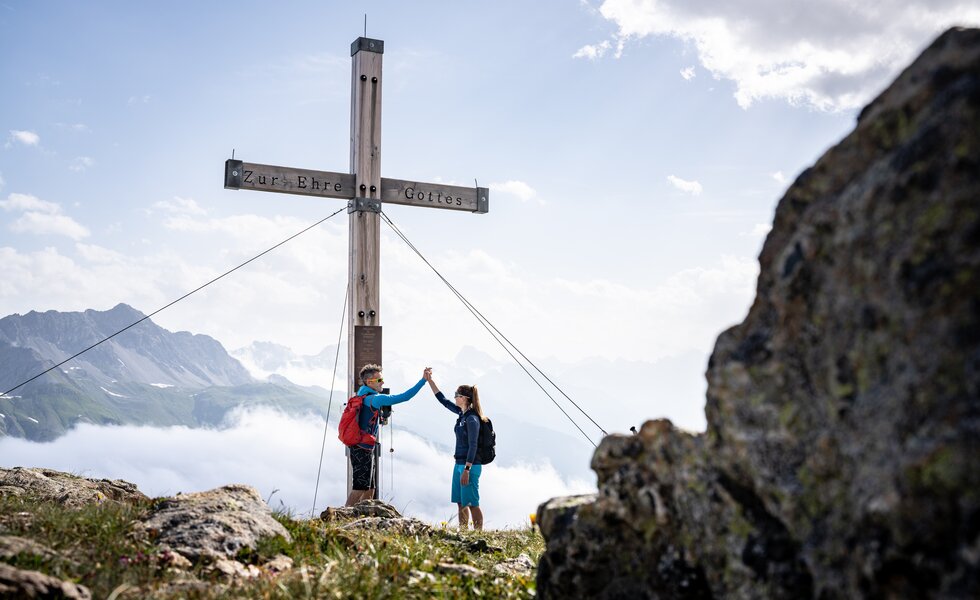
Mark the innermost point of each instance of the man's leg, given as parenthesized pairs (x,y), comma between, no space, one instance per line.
(464,516)
(362,473)
(358,495)
(477,517)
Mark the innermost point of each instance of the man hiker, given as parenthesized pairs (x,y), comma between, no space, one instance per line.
(362,459)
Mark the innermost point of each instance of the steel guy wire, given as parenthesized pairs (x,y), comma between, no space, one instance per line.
(488,325)
(543,374)
(333,381)
(77,354)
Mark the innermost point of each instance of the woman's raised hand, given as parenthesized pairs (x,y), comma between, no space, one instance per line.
(432,383)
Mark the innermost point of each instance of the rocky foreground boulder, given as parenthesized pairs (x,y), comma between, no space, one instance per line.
(212,525)
(66,489)
(840,457)
(22,583)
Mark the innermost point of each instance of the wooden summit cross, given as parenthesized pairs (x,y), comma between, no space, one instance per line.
(365,190)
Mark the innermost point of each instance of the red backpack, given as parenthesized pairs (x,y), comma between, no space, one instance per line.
(350,432)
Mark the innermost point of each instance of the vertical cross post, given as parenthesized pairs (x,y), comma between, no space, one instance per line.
(364,310)
(364,189)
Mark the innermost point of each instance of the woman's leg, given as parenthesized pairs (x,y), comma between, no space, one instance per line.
(470,496)
(477,517)
(464,516)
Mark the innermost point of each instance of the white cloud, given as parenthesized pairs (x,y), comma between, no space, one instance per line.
(40,223)
(688,73)
(81,163)
(138,99)
(829,54)
(181,206)
(41,217)
(76,127)
(519,189)
(2,182)
(281,296)
(25,202)
(98,254)
(283,467)
(593,51)
(28,138)
(758,231)
(689,187)
(778,177)
(681,313)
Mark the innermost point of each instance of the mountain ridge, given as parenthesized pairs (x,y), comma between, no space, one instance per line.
(152,354)
(144,375)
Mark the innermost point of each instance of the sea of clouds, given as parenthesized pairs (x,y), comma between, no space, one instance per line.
(278,455)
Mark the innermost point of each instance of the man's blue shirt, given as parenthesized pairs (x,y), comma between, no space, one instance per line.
(373,401)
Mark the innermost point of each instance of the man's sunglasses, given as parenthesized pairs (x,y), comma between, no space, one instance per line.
(376,379)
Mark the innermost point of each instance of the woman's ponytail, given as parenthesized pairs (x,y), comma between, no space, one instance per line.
(476,404)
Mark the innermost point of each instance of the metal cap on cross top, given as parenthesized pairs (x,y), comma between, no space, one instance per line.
(363,43)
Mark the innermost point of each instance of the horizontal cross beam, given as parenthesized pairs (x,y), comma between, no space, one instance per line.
(288,180)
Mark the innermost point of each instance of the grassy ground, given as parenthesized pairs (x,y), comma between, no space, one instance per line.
(96,548)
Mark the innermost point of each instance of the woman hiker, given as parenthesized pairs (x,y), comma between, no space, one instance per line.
(466,474)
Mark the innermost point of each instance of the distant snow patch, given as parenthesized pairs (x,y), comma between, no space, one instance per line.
(3,416)
(113,393)
(35,420)
(161,385)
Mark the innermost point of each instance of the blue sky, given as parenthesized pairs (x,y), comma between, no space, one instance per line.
(635,151)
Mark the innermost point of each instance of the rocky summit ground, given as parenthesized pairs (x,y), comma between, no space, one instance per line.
(63,536)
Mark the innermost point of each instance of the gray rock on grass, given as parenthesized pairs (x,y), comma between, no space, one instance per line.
(214,524)
(364,508)
(66,489)
(21,583)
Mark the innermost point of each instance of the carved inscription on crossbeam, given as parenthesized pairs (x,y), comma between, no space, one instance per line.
(289,180)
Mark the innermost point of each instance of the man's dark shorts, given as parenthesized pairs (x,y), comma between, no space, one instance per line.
(362,468)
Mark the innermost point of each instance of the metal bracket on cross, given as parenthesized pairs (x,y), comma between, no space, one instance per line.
(372,205)
(233,174)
